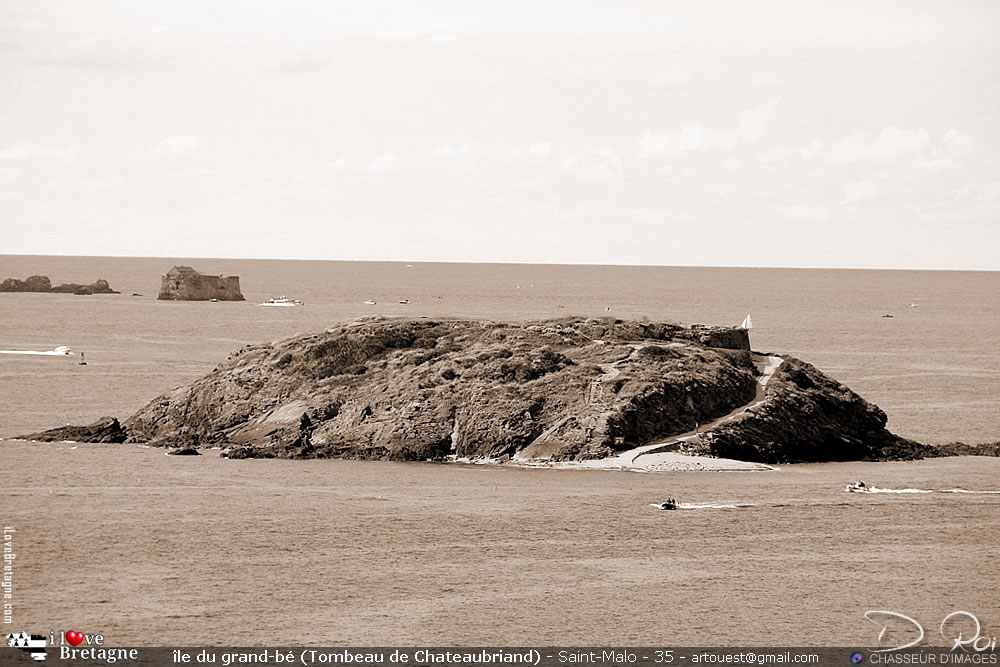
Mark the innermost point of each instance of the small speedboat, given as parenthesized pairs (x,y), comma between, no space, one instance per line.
(370,302)
(282,301)
(887,315)
(62,350)
(404,301)
(668,504)
(856,487)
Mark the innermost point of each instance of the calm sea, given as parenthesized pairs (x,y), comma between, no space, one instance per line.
(934,367)
(156,550)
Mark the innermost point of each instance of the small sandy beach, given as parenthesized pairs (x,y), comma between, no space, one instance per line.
(659,462)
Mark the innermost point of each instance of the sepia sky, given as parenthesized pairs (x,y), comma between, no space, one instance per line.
(725,132)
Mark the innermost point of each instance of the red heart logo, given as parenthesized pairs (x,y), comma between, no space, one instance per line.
(74,637)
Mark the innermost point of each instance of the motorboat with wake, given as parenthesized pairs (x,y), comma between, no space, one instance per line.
(668,504)
(60,351)
(861,487)
(282,301)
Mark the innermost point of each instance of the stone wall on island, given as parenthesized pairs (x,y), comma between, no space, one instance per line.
(183,283)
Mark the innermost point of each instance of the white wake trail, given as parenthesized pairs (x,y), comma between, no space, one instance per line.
(60,351)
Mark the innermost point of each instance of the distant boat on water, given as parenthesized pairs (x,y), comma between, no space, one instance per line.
(60,351)
(370,302)
(747,322)
(282,301)
(404,301)
(668,504)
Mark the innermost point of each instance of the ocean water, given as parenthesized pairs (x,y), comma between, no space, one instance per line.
(157,550)
(934,368)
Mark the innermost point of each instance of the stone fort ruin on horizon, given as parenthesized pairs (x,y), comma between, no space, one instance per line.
(183,283)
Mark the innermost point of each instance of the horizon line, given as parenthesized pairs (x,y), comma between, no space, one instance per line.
(512,262)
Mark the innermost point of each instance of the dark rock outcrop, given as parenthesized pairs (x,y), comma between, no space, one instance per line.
(183,283)
(43,284)
(423,389)
(105,429)
(568,389)
(962,449)
(183,451)
(808,417)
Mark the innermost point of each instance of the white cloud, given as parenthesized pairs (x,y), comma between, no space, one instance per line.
(804,213)
(8,175)
(442,39)
(764,79)
(540,150)
(893,144)
(304,61)
(595,163)
(957,143)
(754,122)
(267,191)
(696,138)
(687,140)
(978,192)
(850,149)
(18,152)
(21,152)
(461,154)
(337,164)
(934,164)
(812,149)
(672,78)
(648,215)
(177,146)
(912,148)
(386,163)
(99,185)
(857,191)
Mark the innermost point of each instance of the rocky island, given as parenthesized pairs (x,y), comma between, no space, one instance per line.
(43,284)
(183,283)
(572,389)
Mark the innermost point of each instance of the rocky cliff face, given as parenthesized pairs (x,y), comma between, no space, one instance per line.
(569,389)
(807,416)
(105,429)
(398,389)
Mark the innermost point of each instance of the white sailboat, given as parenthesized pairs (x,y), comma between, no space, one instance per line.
(747,322)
